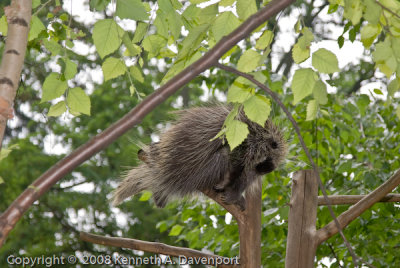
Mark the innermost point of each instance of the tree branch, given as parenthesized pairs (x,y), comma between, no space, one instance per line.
(160,248)
(353,199)
(353,212)
(233,209)
(11,216)
(18,17)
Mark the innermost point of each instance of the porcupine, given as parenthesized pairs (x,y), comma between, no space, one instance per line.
(188,159)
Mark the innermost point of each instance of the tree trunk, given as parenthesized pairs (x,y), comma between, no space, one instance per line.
(302,243)
(250,229)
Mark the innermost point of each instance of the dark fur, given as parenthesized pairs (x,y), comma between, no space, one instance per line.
(186,161)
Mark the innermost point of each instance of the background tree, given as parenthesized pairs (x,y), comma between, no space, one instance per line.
(352,135)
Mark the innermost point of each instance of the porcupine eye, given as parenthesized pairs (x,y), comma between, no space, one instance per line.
(273,144)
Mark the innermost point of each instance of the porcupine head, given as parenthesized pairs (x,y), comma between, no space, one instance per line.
(188,159)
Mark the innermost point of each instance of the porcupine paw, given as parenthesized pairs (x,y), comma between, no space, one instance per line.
(241,203)
(229,199)
(218,188)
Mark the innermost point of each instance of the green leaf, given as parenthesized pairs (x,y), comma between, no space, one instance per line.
(312,107)
(107,36)
(99,5)
(132,89)
(369,33)
(70,69)
(236,133)
(179,66)
(64,17)
(362,103)
(176,230)
(36,28)
(225,3)
(136,73)
(383,51)
(257,109)
(224,24)
(131,9)
(393,87)
(52,46)
(153,44)
(306,39)
(175,24)
(6,151)
(207,14)
(398,112)
(197,1)
(352,34)
(245,8)
(325,61)
(53,87)
(161,24)
(35,3)
(166,6)
(265,39)
(232,115)
(3,25)
(78,101)
(190,15)
(113,67)
(249,61)
(353,11)
(192,42)
(372,11)
(132,49)
(57,109)
(1,180)
(299,55)
(238,92)
(303,84)
(140,32)
(320,93)
(146,195)
(340,41)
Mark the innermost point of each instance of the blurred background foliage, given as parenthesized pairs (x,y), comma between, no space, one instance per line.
(354,140)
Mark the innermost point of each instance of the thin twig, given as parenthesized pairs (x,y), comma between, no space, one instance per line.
(41,7)
(160,248)
(334,254)
(297,129)
(387,9)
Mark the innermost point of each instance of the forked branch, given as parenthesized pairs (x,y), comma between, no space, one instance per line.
(354,211)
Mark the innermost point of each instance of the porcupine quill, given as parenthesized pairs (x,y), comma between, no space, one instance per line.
(188,159)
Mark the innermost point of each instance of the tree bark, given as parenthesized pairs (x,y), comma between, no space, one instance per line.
(18,17)
(250,229)
(301,242)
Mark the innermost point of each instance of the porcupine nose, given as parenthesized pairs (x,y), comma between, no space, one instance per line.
(265,167)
